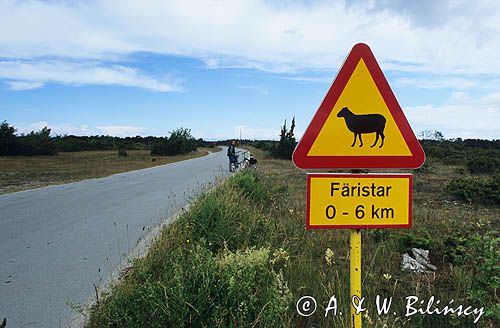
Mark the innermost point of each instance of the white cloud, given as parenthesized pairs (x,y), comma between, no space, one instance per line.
(23,85)
(120,130)
(251,132)
(459,36)
(311,79)
(81,130)
(22,75)
(438,83)
(461,116)
(34,126)
(56,129)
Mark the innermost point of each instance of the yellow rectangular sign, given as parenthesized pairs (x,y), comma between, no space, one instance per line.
(358,201)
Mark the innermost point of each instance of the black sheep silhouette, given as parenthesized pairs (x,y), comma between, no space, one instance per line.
(359,124)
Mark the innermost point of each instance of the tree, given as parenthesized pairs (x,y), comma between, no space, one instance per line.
(36,143)
(438,136)
(7,138)
(431,135)
(180,141)
(286,145)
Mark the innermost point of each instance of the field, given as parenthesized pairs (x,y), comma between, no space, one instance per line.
(27,172)
(241,257)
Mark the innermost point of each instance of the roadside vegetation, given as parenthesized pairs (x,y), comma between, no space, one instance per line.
(241,256)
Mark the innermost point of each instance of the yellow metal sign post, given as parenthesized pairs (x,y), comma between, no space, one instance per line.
(355,275)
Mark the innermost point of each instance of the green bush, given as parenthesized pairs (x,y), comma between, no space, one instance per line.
(418,238)
(267,145)
(476,190)
(460,151)
(483,165)
(180,141)
(481,251)
(455,249)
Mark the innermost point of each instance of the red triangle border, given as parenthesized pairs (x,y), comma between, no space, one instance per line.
(302,161)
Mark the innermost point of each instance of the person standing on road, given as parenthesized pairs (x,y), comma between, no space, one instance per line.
(231,153)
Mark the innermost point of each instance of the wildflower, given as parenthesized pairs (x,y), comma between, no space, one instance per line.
(329,256)
(387,276)
(187,241)
(280,256)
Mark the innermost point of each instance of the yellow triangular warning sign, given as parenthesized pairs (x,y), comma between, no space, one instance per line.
(360,123)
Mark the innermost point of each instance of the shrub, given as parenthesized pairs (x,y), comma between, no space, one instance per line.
(419,238)
(477,190)
(267,145)
(180,141)
(481,251)
(483,165)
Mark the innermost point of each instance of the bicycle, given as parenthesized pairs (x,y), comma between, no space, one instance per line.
(240,165)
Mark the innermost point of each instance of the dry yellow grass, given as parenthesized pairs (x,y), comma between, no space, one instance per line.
(28,172)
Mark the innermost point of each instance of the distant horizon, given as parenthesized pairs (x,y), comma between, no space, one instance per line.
(418,135)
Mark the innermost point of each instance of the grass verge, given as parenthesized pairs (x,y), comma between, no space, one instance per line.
(241,257)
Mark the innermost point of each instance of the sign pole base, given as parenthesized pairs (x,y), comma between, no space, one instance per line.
(355,275)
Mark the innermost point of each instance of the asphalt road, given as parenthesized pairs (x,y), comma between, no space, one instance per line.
(56,242)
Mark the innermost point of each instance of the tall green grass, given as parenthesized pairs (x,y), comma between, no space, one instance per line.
(241,257)
(203,272)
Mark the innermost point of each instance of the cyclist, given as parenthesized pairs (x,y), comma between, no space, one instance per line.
(231,153)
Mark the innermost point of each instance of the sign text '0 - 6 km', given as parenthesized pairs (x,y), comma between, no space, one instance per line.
(359,200)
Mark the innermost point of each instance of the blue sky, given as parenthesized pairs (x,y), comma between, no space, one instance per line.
(220,67)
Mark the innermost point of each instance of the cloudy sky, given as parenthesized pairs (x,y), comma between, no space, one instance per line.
(220,67)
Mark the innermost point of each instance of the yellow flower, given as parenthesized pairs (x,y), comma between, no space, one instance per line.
(387,276)
(280,256)
(329,256)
